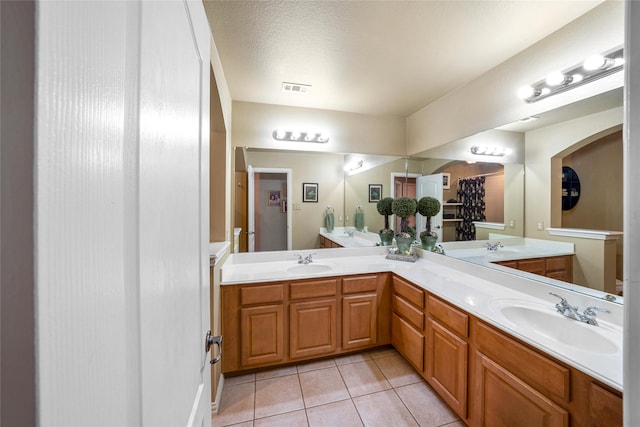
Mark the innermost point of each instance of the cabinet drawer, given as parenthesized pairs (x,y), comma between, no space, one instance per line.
(557,263)
(408,291)
(261,294)
(541,372)
(359,285)
(408,312)
(449,316)
(532,265)
(313,289)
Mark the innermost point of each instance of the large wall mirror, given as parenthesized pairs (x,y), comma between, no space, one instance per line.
(559,137)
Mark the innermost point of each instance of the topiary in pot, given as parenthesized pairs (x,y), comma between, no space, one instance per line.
(428,207)
(384,208)
(404,207)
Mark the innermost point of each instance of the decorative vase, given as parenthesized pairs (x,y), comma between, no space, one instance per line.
(386,237)
(428,241)
(404,244)
(359,220)
(329,220)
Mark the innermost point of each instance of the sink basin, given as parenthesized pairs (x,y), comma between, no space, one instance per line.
(546,322)
(309,269)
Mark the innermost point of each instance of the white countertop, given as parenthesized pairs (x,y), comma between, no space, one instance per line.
(358,239)
(474,288)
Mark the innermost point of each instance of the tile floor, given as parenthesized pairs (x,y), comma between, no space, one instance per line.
(377,388)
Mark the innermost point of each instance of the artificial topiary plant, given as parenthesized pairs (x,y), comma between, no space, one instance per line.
(428,207)
(404,207)
(384,208)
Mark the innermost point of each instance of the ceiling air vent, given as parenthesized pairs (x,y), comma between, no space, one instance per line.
(295,87)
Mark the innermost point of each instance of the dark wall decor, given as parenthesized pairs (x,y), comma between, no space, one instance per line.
(570,188)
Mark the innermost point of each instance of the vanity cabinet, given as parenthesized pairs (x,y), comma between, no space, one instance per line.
(557,267)
(359,312)
(261,324)
(279,323)
(313,318)
(328,243)
(446,353)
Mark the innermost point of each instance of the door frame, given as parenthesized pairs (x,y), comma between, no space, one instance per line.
(251,214)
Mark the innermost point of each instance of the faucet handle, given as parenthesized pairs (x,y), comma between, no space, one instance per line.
(591,311)
(562,299)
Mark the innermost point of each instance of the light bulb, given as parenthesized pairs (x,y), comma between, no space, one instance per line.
(280,134)
(295,135)
(310,136)
(595,62)
(555,78)
(545,91)
(576,78)
(525,92)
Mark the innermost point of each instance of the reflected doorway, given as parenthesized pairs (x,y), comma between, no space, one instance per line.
(269,217)
(403,185)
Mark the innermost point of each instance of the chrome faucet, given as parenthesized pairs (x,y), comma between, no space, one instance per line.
(307,259)
(494,246)
(571,311)
(439,249)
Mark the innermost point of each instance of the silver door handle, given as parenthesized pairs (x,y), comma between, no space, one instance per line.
(251,233)
(211,340)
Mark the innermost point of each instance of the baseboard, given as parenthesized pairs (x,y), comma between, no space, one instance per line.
(215,405)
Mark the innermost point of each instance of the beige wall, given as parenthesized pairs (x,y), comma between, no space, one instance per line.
(599,168)
(490,101)
(325,169)
(546,147)
(357,191)
(253,125)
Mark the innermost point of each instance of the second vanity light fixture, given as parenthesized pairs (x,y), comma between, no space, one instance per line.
(308,136)
(480,150)
(593,68)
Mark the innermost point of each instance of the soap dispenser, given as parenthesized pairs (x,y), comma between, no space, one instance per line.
(328,219)
(359,218)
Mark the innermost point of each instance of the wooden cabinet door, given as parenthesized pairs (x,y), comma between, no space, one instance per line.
(359,321)
(312,328)
(262,330)
(408,341)
(503,399)
(445,365)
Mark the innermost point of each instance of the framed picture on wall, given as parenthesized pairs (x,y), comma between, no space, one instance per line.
(446,180)
(310,192)
(375,193)
(274,198)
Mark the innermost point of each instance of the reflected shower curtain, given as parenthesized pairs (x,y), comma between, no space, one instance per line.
(471,195)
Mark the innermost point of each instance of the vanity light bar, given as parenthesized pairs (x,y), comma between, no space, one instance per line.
(304,136)
(479,150)
(593,68)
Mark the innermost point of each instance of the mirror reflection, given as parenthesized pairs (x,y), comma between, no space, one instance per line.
(522,189)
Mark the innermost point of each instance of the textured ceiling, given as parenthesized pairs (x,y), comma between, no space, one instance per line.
(373,57)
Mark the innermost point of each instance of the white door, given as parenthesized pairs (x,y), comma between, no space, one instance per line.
(122,213)
(430,185)
(251,209)
(174,213)
(252,212)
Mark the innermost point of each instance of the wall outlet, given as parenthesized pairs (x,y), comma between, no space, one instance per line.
(540,226)
(512,224)
(297,207)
